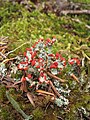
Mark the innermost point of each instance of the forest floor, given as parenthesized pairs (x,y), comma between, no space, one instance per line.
(20,28)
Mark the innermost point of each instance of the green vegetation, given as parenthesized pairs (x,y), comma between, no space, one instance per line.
(82,1)
(20,26)
(38,114)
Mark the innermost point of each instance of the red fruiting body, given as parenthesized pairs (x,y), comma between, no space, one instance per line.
(40,60)
(78,61)
(74,60)
(19,67)
(41,74)
(51,55)
(24,63)
(35,45)
(57,55)
(64,63)
(71,61)
(53,40)
(53,66)
(23,66)
(55,63)
(48,41)
(29,76)
(32,84)
(23,79)
(38,66)
(24,54)
(33,54)
(33,62)
(41,69)
(62,59)
(28,49)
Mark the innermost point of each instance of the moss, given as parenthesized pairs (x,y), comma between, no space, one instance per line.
(51,114)
(14,93)
(21,25)
(7,113)
(81,1)
(77,101)
(4,113)
(38,114)
(2,93)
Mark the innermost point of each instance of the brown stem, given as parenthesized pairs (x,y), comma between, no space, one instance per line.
(7,60)
(55,77)
(23,86)
(11,86)
(3,56)
(54,89)
(65,12)
(44,92)
(4,47)
(74,77)
(17,82)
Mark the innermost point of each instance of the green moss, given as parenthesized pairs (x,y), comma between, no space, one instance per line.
(14,93)
(7,113)
(21,26)
(82,1)
(38,114)
(2,93)
(4,114)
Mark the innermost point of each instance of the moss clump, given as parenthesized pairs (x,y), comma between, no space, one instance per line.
(4,114)
(2,93)
(21,26)
(8,113)
(38,114)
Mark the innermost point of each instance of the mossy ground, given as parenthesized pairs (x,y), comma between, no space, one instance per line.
(21,26)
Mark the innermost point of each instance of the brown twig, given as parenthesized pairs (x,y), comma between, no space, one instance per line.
(2,55)
(3,47)
(6,60)
(65,12)
(55,77)
(74,77)
(44,92)
(11,86)
(17,82)
(54,89)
